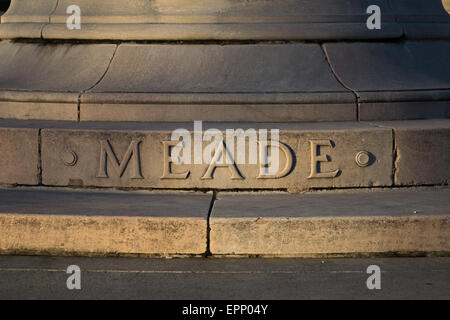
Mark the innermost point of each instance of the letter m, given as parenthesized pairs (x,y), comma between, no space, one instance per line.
(132,153)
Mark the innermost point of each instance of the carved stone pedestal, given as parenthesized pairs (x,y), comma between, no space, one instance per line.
(330,94)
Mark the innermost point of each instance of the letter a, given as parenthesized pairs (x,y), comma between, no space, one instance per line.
(374,21)
(74,281)
(374,281)
(73,21)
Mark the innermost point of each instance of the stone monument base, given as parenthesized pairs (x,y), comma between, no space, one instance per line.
(197,128)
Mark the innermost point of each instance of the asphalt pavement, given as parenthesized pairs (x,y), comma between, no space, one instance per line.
(27,277)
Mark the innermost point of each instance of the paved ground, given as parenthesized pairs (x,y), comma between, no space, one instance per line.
(131,278)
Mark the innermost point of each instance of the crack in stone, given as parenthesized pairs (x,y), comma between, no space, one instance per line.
(336,76)
(208,225)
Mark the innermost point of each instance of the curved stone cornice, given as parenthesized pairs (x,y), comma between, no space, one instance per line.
(225,20)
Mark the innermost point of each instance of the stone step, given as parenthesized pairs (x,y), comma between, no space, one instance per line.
(387,221)
(261,156)
(96,223)
(225,20)
(299,82)
(408,221)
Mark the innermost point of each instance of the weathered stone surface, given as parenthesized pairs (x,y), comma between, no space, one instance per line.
(245,112)
(29,11)
(38,110)
(399,73)
(218,83)
(290,82)
(39,105)
(19,160)
(221,20)
(422,151)
(214,68)
(419,160)
(52,67)
(45,81)
(312,155)
(331,223)
(404,110)
(230,20)
(415,16)
(102,223)
(26,18)
(226,20)
(390,66)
